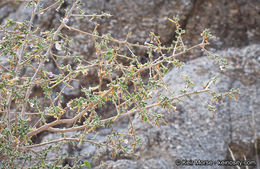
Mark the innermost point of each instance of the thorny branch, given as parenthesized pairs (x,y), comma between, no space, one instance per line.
(127,101)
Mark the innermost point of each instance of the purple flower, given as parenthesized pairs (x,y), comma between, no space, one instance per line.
(46,112)
(65,20)
(50,74)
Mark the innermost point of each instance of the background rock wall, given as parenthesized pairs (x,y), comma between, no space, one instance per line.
(191,132)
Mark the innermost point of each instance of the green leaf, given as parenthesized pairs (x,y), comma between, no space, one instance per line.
(87,164)
(171,20)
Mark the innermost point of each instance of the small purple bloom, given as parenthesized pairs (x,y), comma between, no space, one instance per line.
(50,74)
(31,45)
(65,20)
(46,112)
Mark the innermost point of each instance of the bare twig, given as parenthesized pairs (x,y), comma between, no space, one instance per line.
(50,128)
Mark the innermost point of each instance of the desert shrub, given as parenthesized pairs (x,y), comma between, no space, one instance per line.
(124,82)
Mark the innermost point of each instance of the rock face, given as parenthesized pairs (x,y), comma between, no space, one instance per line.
(234,22)
(191,132)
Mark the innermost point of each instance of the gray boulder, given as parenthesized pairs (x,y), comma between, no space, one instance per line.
(191,132)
